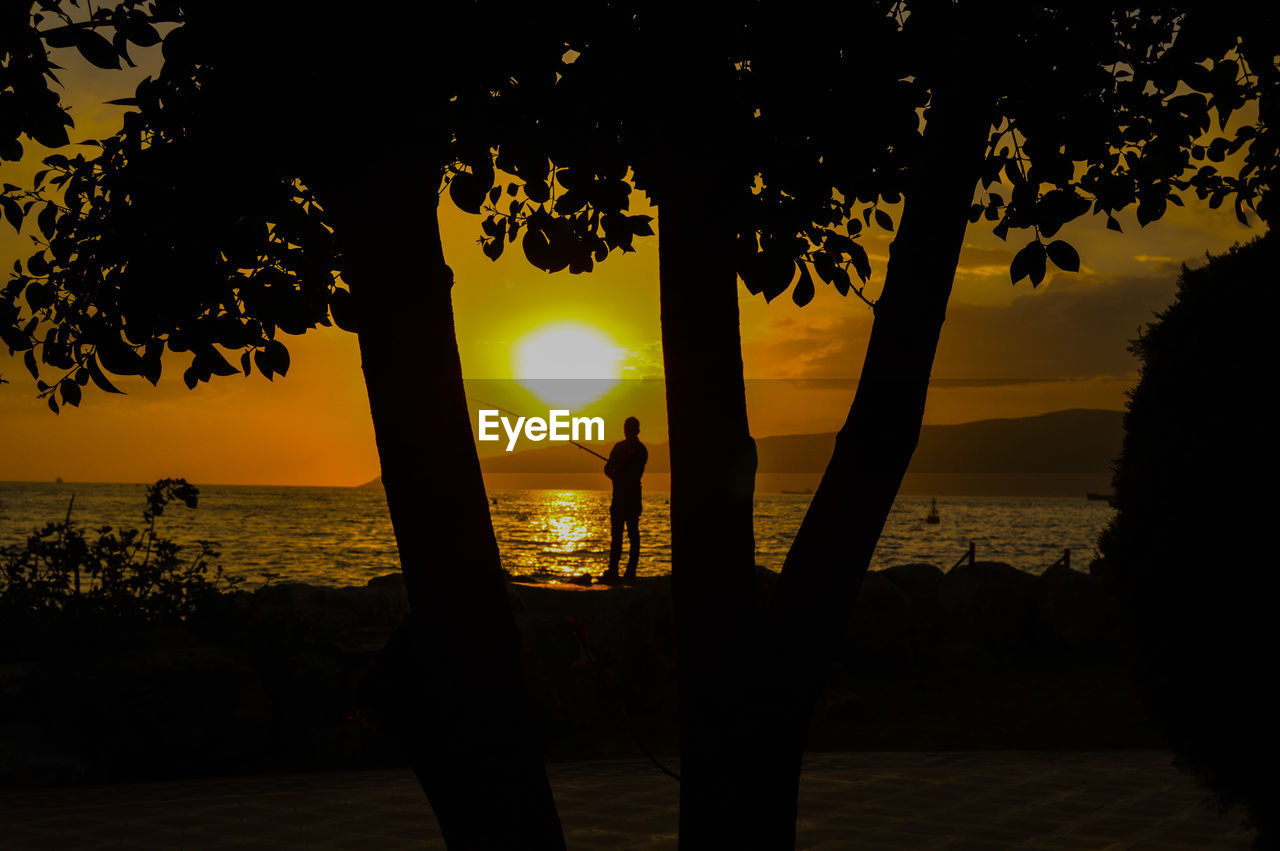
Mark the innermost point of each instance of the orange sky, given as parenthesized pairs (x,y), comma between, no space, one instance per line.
(1005,351)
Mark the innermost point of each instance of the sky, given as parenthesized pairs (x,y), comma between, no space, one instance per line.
(1005,351)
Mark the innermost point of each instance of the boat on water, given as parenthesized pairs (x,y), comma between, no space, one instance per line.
(933,517)
(1108,497)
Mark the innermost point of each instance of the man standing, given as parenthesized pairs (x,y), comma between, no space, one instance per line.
(625,467)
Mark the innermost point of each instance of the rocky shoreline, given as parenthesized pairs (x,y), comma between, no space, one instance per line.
(982,656)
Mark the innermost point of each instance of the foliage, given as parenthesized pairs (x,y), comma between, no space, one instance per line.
(187,232)
(127,576)
(1187,549)
(1111,109)
(820,128)
(114,280)
(28,105)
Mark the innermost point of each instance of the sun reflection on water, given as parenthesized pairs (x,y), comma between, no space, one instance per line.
(566,534)
(343,536)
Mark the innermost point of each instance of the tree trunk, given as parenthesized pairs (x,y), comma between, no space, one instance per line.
(832,550)
(465,717)
(713,458)
(713,462)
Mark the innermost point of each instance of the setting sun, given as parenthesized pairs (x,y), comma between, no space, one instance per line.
(567,363)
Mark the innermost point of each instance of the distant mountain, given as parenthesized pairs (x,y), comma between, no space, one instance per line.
(1059,452)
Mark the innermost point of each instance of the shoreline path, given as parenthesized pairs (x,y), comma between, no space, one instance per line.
(987,800)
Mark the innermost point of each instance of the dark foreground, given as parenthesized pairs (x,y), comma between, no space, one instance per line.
(286,678)
(1015,799)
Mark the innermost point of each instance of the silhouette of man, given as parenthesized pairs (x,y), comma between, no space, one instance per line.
(625,467)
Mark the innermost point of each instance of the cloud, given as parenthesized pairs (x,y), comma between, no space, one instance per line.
(1077,329)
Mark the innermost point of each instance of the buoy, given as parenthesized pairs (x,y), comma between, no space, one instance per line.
(933,517)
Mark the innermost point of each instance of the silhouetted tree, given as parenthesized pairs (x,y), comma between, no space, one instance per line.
(1090,108)
(774,143)
(275,148)
(1186,548)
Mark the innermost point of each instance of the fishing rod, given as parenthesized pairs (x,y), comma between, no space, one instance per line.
(514,414)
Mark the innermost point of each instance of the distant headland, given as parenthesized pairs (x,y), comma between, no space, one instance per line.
(1062,453)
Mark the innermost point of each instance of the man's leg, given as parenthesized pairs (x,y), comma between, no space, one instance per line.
(633,536)
(615,545)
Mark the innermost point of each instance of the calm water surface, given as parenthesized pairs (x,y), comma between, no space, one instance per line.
(342,536)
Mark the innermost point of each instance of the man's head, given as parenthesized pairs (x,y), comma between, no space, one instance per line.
(631,427)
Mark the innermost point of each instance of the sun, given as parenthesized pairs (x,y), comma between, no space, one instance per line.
(567,363)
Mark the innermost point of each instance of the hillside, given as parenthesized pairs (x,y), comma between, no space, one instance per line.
(1064,452)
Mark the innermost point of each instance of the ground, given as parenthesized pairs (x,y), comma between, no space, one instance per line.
(1119,799)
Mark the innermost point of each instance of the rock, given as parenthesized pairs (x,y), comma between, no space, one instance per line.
(914,577)
(167,708)
(1072,609)
(387,580)
(922,583)
(959,658)
(879,636)
(325,612)
(629,632)
(989,605)
(841,705)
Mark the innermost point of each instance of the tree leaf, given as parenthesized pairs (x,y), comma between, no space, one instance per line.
(279,356)
(537,248)
(70,392)
(151,361)
(640,225)
(343,309)
(97,49)
(263,363)
(467,192)
(12,212)
(1064,256)
(1029,262)
(803,292)
(117,357)
(840,278)
(46,219)
(95,372)
(139,31)
(861,264)
(1151,209)
(884,220)
(62,37)
(215,362)
(39,295)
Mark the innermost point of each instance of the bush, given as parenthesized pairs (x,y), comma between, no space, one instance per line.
(1188,548)
(128,577)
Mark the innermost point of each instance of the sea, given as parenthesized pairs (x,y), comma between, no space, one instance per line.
(342,536)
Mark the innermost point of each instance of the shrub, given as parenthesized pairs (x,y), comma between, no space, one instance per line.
(130,577)
(1188,549)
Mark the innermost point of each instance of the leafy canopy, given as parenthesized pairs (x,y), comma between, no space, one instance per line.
(198,227)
